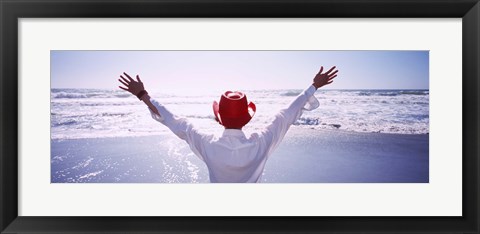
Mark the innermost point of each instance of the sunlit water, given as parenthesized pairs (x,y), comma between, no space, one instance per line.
(87,113)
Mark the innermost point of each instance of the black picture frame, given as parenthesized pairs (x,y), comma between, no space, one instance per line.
(12,10)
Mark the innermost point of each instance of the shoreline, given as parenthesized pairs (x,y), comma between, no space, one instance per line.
(166,132)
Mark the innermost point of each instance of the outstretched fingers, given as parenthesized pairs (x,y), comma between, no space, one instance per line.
(333,73)
(138,78)
(123,88)
(331,77)
(123,82)
(331,69)
(130,78)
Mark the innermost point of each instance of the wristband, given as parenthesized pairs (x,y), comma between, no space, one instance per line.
(140,94)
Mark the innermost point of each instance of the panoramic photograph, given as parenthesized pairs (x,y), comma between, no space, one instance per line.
(239,116)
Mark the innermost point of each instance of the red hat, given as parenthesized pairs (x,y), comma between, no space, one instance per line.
(233,110)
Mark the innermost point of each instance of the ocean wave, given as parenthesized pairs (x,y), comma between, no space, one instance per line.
(123,95)
(112,114)
(85,94)
(69,95)
(109,104)
(372,128)
(64,123)
(414,124)
(108,93)
(374,93)
(291,93)
(414,92)
(200,117)
(392,93)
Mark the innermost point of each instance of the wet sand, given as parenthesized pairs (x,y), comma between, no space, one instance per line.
(304,156)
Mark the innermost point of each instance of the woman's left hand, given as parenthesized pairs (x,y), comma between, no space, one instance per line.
(132,86)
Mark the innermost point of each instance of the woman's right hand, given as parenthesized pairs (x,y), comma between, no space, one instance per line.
(322,79)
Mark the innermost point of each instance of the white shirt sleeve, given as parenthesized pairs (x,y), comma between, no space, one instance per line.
(273,134)
(182,128)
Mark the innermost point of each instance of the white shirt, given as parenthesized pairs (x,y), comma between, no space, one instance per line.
(234,157)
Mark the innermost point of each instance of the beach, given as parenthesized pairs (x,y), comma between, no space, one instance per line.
(371,126)
(306,155)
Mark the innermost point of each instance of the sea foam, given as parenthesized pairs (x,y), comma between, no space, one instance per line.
(93,113)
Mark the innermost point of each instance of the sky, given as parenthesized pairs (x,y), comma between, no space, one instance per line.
(194,71)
